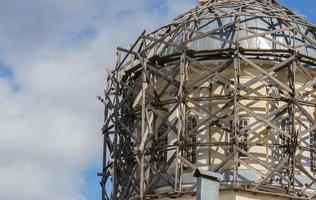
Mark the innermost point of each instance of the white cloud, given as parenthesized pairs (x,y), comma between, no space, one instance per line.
(50,126)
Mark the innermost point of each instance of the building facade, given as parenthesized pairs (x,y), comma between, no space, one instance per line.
(228,87)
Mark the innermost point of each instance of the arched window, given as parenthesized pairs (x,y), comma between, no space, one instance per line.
(162,139)
(190,149)
(243,122)
(285,125)
(284,141)
(242,138)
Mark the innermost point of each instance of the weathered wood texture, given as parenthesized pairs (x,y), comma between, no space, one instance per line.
(151,87)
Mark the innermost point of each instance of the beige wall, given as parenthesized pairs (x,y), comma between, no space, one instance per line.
(210,156)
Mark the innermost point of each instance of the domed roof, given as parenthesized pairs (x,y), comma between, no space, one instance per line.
(249,24)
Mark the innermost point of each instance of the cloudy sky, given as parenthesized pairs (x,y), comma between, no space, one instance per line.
(53,56)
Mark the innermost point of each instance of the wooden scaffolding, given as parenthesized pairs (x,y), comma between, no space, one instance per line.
(134,102)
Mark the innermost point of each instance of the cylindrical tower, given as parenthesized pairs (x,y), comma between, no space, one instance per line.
(228,87)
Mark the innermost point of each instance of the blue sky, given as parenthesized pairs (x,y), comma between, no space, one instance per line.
(53,56)
(302,7)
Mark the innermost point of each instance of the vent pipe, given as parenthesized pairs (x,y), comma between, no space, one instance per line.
(207,185)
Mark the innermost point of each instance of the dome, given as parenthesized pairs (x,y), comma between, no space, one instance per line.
(258,24)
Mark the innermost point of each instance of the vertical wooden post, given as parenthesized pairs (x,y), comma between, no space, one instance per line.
(116,128)
(143,127)
(236,97)
(181,118)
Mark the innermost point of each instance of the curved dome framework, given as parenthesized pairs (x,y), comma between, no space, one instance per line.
(228,87)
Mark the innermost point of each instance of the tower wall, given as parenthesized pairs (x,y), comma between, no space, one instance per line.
(226,87)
